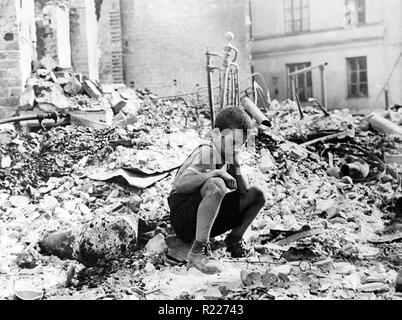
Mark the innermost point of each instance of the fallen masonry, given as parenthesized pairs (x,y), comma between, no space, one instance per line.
(84,208)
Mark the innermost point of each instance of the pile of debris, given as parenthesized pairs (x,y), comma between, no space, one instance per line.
(93,190)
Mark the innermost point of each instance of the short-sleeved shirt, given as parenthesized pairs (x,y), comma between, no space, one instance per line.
(206,155)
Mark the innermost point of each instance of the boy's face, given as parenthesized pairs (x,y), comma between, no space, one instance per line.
(232,141)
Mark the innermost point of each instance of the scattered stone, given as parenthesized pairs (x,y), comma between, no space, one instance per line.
(106,239)
(298,254)
(70,275)
(334,172)
(325,205)
(135,203)
(27,99)
(19,201)
(149,267)
(91,90)
(117,107)
(62,77)
(6,162)
(73,86)
(344,268)
(157,245)
(267,162)
(380,278)
(374,287)
(293,150)
(48,63)
(251,278)
(347,180)
(284,269)
(213,293)
(26,261)
(319,286)
(43,73)
(59,244)
(49,204)
(113,194)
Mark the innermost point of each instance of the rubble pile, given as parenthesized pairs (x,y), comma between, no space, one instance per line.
(287,123)
(331,193)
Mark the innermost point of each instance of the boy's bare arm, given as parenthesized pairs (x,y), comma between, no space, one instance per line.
(195,177)
(190,181)
(242,180)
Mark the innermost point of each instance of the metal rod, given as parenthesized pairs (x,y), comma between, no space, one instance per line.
(323,85)
(237,88)
(39,117)
(296,97)
(232,89)
(307,69)
(209,79)
(225,83)
(386,100)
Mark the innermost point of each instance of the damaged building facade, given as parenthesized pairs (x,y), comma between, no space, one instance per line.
(359,39)
(156,44)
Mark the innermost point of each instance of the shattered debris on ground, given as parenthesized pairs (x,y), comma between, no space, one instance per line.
(84,211)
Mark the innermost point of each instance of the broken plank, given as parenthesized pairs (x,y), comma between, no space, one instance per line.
(387,238)
(298,236)
(340,135)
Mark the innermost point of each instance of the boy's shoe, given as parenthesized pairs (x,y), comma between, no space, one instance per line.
(236,247)
(200,258)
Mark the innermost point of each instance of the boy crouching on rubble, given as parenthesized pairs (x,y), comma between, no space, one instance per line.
(201,206)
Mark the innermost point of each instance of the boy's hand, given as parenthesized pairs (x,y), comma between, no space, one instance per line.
(229,180)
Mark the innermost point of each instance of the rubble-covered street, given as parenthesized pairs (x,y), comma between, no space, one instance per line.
(84,211)
(127,125)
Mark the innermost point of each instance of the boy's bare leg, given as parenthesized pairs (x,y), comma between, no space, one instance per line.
(251,204)
(212,193)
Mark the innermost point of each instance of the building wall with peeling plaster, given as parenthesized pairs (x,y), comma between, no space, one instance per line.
(166,40)
(329,41)
(110,41)
(85,51)
(53,31)
(17,50)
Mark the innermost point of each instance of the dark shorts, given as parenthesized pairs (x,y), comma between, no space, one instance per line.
(183,214)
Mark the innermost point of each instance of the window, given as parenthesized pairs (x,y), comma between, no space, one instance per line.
(357,77)
(297,16)
(304,81)
(355,12)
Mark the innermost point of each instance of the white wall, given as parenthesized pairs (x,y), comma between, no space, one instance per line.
(27,36)
(63,36)
(336,74)
(380,40)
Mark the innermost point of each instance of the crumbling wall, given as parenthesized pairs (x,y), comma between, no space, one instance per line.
(84,38)
(53,31)
(110,41)
(17,48)
(166,40)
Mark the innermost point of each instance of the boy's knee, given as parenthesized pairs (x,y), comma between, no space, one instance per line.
(214,187)
(259,195)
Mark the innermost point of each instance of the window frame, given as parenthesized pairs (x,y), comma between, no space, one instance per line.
(304,8)
(358,83)
(360,8)
(306,77)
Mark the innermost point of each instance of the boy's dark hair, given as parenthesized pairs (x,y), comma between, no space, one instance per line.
(233,118)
